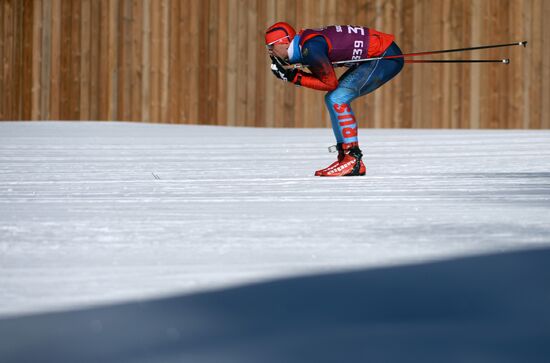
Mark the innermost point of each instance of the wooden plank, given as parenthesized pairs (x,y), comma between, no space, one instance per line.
(418,45)
(25,60)
(146,53)
(3,49)
(528,59)
(374,111)
(55,61)
(242,66)
(103,45)
(15,61)
(545,91)
(95,61)
(382,104)
(183,54)
(124,59)
(65,70)
(221,114)
(492,73)
(85,60)
(19,62)
(396,90)
(270,81)
(75,59)
(174,68)
(156,30)
(375,101)
(406,43)
(434,115)
(137,70)
(486,91)
(391,102)
(494,78)
(475,73)
(461,79)
(452,86)
(536,65)
(8,60)
(36,58)
(211,61)
(515,94)
(112,56)
(445,91)
(232,62)
(165,61)
(3,85)
(121,43)
(46,65)
(503,76)
(430,93)
(195,62)
(203,61)
(121,58)
(252,55)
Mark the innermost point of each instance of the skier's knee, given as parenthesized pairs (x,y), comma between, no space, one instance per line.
(336,96)
(329,98)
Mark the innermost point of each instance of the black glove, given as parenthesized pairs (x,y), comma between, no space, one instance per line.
(278,69)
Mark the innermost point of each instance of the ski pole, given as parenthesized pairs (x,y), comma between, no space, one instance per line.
(504,61)
(523,43)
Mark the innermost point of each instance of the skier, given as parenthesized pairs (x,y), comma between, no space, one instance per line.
(317,49)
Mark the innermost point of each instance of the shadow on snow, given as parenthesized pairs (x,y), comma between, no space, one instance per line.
(493,308)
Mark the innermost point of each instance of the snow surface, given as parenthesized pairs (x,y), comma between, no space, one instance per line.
(95,212)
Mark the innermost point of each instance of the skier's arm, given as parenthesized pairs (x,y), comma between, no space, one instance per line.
(315,56)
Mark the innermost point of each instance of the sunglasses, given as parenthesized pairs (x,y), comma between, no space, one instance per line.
(271,45)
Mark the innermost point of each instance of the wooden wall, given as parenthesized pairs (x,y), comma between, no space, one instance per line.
(204,61)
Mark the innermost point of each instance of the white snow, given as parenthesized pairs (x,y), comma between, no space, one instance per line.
(98,212)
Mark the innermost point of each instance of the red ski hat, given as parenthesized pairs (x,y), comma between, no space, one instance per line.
(280,32)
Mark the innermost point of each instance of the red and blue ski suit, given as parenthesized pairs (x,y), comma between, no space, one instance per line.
(318,48)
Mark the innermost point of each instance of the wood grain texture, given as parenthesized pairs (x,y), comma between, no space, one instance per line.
(136,74)
(2,60)
(35,41)
(204,62)
(85,67)
(55,60)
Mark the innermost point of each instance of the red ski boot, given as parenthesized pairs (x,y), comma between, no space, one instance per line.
(349,162)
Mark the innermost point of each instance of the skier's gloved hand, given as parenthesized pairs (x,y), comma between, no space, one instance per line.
(286,74)
(275,69)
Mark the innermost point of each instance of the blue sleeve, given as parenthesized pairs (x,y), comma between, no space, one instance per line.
(315,53)
(315,56)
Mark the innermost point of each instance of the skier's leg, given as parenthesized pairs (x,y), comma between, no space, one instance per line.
(342,118)
(383,72)
(356,82)
(344,126)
